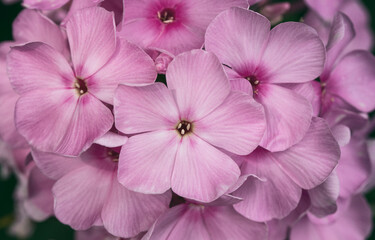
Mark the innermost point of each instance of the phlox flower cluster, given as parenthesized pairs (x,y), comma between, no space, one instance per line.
(194,119)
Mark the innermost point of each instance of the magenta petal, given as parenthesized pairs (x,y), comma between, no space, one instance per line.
(323,197)
(81,194)
(199,82)
(294,54)
(32,26)
(55,166)
(288,116)
(148,170)
(129,65)
(142,109)
(225,37)
(128,213)
(312,160)
(356,70)
(96,28)
(38,66)
(237,125)
(274,197)
(202,172)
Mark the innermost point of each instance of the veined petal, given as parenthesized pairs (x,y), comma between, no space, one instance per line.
(237,125)
(36,66)
(202,172)
(95,27)
(275,197)
(199,82)
(148,170)
(44,4)
(294,54)
(225,36)
(288,116)
(312,160)
(142,109)
(129,65)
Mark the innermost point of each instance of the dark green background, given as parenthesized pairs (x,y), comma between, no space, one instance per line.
(52,229)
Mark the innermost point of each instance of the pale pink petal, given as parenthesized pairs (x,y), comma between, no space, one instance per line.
(326,9)
(39,201)
(242,85)
(353,223)
(129,65)
(354,167)
(288,116)
(91,120)
(323,197)
(341,134)
(81,194)
(312,160)
(148,170)
(44,4)
(128,213)
(225,37)
(94,233)
(55,166)
(32,26)
(202,172)
(95,28)
(341,33)
(237,125)
(111,140)
(357,71)
(79,5)
(142,109)
(38,66)
(274,197)
(199,81)
(294,54)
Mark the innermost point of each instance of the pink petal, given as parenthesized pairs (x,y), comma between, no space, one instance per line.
(199,82)
(242,85)
(323,197)
(96,28)
(127,213)
(294,54)
(130,65)
(355,70)
(111,140)
(79,5)
(81,194)
(148,170)
(38,66)
(32,26)
(312,160)
(341,134)
(226,38)
(39,202)
(326,10)
(354,167)
(288,116)
(341,34)
(202,172)
(142,109)
(274,197)
(55,166)
(237,125)
(44,4)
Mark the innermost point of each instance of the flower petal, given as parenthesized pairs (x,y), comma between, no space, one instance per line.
(199,81)
(288,116)
(128,213)
(44,4)
(312,160)
(275,197)
(237,125)
(202,172)
(142,109)
(294,54)
(225,36)
(95,27)
(38,66)
(148,170)
(130,65)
